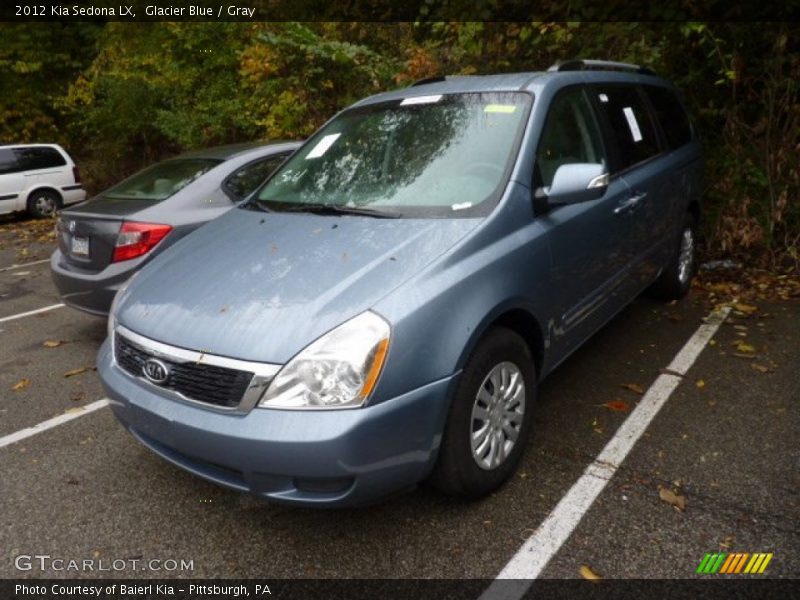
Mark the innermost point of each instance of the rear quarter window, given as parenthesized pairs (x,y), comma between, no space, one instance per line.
(630,127)
(671,116)
(8,161)
(38,157)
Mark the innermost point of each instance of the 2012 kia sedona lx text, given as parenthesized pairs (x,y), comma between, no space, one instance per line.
(379,312)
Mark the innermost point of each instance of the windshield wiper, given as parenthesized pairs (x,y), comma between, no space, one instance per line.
(338,209)
(255,205)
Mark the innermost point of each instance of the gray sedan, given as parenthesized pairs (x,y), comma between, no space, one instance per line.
(104,240)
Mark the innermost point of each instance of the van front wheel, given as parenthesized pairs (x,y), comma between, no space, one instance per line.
(490,417)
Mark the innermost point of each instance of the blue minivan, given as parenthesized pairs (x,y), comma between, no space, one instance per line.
(380,311)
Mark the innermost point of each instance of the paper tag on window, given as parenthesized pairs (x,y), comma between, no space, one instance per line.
(633,124)
(421,100)
(499,108)
(603,98)
(323,145)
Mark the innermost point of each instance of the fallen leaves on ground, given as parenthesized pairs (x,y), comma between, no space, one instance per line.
(53,343)
(21,384)
(78,371)
(742,346)
(617,405)
(588,573)
(670,497)
(742,288)
(700,384)
(762,368)
(747,309)
(633,387)
(73,410)
(29,230)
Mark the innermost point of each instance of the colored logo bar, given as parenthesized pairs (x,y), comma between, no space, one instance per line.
(734,563)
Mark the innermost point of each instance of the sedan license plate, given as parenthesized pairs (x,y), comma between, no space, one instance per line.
(80,246)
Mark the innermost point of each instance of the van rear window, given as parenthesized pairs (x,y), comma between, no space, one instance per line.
(670,114)
(32,158)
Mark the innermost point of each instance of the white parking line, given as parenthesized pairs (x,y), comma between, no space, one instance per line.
(531,559)
(54,422)
(30,312)
(27,264)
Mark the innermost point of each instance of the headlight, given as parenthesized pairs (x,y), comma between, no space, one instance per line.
(339,370)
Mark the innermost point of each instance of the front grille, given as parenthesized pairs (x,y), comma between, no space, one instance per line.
(205,383)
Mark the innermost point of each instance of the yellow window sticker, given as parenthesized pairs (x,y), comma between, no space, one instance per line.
(500,108)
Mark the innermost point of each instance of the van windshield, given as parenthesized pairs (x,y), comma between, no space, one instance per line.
(445,155)
(162,180)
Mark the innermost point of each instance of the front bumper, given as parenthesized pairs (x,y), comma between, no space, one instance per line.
(87,291)
(331,458)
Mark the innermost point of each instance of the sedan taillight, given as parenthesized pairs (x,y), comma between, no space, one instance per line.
(136,239)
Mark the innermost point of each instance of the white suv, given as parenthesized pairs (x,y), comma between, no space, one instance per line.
(39,178)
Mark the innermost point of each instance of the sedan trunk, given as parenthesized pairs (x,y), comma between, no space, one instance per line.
(87,234)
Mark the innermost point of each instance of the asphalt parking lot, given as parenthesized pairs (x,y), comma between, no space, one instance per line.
(726,442)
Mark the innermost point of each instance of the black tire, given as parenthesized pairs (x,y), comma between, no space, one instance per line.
(457,471)
(676,279)
(43,204)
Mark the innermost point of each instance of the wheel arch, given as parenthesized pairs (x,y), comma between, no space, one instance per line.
(519,319)
(44,188)
(694,210)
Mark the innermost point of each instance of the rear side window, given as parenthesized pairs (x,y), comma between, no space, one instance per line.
(8,161)
(632,130)
(250,176)
(38,157)
(671,116)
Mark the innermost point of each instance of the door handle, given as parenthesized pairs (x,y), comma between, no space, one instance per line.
(638,197)
(630,204)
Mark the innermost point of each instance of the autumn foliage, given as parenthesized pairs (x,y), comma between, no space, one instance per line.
(121,95)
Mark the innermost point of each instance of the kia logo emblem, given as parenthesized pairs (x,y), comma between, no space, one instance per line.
(156,371)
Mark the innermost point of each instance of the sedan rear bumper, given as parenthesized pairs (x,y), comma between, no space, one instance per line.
(91,292)
(331,458)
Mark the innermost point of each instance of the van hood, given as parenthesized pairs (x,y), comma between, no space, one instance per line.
(262,286)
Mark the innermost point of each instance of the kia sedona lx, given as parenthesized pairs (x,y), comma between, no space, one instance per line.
(379,312)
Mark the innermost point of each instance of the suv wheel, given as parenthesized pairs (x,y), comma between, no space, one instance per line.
(43,203)
(490,417)
(676,278)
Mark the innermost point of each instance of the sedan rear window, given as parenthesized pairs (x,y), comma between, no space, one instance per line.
(162,180)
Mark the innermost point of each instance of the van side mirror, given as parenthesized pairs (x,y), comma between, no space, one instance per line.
(577,182)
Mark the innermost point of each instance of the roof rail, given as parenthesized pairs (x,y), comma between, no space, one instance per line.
(436,79)
(598,65)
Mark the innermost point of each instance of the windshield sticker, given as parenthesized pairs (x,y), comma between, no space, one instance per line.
(323,145)
(462,206)
(633,124)
(603,98)
(421,100)
(500,108)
